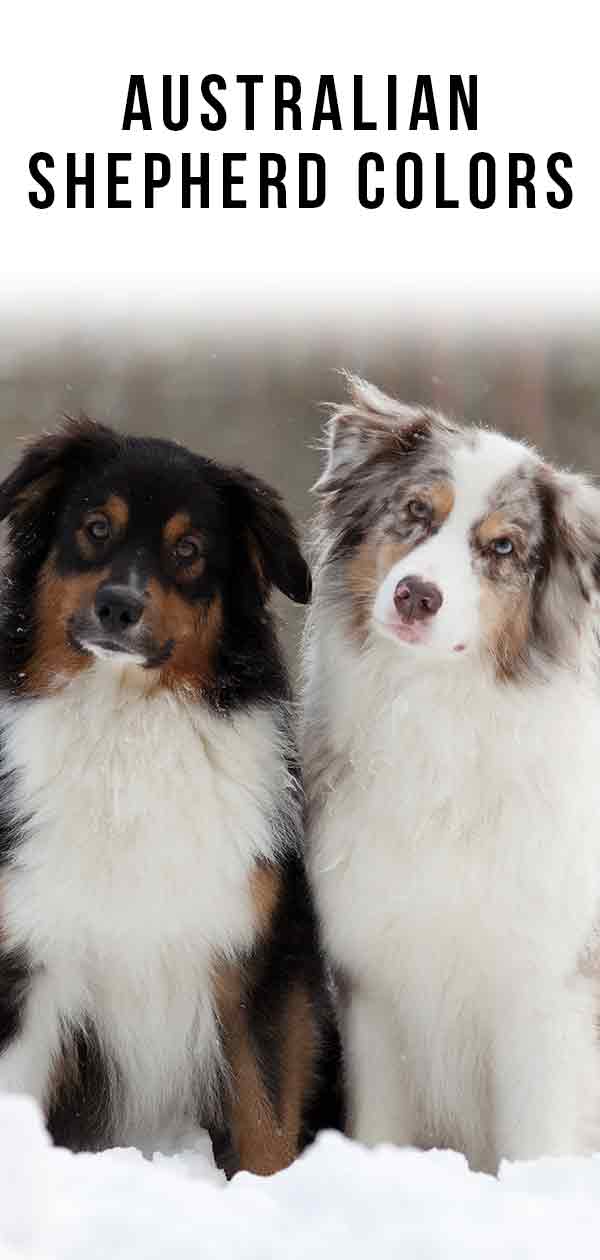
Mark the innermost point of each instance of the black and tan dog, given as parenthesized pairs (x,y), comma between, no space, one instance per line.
(159,961)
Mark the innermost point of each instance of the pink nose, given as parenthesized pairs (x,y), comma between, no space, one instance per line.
(416,600)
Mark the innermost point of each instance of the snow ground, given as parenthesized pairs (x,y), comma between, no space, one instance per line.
(337,1200)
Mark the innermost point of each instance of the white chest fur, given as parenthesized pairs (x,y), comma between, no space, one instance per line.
(143,816)
(456,867)
(449,785)
(460,843)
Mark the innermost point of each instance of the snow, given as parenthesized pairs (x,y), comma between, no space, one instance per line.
(338,1199)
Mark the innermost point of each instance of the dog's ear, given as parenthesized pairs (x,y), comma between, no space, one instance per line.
(370,423)
(271,534)
(577,507)
(35,485)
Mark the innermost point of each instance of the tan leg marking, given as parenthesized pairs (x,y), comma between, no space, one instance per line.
(265,1138)
(300,1049)
(260,1141)
(265,890)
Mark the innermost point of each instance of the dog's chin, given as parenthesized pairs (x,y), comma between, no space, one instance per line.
(406,635)
(122,655)
(114,655)
(418,640)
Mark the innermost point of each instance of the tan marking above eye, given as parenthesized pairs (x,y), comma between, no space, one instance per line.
(498,525)
(114,513)
(441,494)
(176,526)
(436,499)
(178,533)
(117,511)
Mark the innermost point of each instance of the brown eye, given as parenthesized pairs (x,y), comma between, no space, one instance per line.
(419,509)
(186,550)
(98,528)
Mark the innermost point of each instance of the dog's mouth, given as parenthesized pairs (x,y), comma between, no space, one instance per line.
(403,632)
(141,650)
(415,635)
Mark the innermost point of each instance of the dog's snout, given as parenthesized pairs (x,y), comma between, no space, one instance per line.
(118,608)
(416,600)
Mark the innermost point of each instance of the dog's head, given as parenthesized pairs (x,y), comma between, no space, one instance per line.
(136,551)
(450,540)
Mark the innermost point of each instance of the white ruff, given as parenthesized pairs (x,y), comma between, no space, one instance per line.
(456,867)
(147,813)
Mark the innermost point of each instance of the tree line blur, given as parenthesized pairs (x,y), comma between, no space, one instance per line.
(254,398)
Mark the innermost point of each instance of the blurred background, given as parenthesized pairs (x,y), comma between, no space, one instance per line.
(254,397)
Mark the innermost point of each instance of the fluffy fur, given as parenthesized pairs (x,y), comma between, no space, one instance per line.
(452,769)
(159,964)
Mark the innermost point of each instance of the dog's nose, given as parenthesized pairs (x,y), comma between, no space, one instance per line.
(118,608)
(416,600)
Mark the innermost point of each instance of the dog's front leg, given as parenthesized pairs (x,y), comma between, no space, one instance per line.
(546,1075)
(271,1067)
(29,1031)
(380,1102)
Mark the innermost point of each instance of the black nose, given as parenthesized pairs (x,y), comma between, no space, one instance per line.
(416,600)
(118,608)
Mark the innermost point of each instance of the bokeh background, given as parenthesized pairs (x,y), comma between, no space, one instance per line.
(253,395)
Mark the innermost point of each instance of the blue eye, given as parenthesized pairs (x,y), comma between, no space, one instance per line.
(502,546)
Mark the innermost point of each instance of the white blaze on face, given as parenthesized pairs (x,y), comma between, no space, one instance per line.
(445,559)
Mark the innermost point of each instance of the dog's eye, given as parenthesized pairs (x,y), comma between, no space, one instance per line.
(98,528)
(419,509)
(187,550)
(502,546)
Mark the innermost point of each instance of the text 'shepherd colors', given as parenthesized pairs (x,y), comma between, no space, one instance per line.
(277,175)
